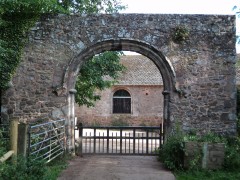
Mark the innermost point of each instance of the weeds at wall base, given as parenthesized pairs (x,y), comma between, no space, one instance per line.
(207,174)
(229,171)
(29,169)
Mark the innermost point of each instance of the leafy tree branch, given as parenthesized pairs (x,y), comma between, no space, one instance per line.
(93,75)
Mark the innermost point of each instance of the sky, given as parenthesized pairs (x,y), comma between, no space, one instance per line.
(183,7)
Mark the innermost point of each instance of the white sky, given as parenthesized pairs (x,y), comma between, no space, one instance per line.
(180,6)
(183,7)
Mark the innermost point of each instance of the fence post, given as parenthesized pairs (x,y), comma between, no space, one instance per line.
(14,135)
(22,139)
(79,141)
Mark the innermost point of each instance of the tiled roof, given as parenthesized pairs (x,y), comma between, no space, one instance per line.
(140,71)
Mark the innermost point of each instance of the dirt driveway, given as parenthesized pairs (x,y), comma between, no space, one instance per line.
(110,167)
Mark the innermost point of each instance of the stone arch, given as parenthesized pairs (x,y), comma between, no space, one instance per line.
(162,63)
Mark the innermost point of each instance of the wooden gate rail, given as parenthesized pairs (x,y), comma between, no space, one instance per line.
(6,156)
(125,140)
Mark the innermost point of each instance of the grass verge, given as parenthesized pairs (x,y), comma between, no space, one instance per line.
(207,175)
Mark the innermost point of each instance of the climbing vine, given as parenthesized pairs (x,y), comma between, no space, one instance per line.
(16,19)
(18,16)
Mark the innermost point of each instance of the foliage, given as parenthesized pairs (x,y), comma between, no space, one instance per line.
(91,76)
(55,167)
(232,158)
(180,34)
(238,112)
(209,137)
(236,10)
(18,16)
(22,169)
(231,168)
(92,6)
(4,144)
(238,125)
(172,152)
(207,174)
(30,169)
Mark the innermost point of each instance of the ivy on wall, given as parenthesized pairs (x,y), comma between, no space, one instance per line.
(18,16)
(16,19)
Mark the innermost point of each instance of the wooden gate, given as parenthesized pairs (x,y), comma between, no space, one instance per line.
(126,140)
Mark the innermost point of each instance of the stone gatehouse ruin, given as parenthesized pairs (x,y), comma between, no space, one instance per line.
(195,55)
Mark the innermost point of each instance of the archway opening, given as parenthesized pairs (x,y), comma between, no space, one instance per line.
(161,62)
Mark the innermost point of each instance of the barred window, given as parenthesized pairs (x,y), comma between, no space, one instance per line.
(121,102)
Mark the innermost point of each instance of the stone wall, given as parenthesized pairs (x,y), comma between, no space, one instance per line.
(32,96)
(147,108)
(198,74)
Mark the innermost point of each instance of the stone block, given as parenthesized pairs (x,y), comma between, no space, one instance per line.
(206,155)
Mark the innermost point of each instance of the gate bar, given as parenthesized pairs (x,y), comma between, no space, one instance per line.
(144,138)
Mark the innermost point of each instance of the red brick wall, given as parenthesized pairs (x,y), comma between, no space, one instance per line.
(147,108)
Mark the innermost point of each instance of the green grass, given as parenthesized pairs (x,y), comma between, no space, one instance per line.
(29,169)
(23,169)
(55,167)
(229,171)
(207,175)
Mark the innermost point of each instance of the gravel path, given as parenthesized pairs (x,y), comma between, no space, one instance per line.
(109,167)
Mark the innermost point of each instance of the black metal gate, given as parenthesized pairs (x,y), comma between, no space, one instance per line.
(127,140)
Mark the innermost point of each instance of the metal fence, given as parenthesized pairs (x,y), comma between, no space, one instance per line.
(47,140)
(127,140)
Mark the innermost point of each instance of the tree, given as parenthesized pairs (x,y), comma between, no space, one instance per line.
(18,16)
(91,6)
(93,75)
(236,10)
